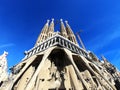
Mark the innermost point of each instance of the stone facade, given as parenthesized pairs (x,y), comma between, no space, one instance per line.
(3,68)
(56,62)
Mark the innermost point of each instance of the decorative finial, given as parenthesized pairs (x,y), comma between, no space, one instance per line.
(61,20)
(5,53)
(66,22)
(25,52)
(52,19)
(48,21)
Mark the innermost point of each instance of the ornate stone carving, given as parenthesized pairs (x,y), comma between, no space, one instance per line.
(56,62)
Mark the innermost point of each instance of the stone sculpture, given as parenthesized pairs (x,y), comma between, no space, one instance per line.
(56,62)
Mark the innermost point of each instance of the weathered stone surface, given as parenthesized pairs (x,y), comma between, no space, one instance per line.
(3,68)
(56,62)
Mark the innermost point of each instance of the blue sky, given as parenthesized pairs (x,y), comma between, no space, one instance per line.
(21,22)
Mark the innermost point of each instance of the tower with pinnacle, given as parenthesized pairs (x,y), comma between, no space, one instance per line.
(57,62)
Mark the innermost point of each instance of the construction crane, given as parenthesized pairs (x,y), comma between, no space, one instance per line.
(81,42)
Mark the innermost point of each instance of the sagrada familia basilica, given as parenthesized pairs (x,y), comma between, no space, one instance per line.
(57,62)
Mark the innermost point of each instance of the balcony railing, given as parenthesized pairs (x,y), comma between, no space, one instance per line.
(56,40)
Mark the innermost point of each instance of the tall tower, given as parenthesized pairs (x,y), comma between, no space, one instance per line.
(50,29)
(43,34)
(71,35)
(63,29)
(56,62)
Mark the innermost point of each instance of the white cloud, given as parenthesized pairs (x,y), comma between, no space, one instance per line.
(6,45)
(104,39)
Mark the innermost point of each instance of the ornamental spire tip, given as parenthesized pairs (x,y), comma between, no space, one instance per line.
(66,22)
(52,19)
(48,21)
(61,20)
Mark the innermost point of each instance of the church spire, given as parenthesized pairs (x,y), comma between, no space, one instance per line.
(43,34)
(59,64)
(51,29)
(71,35)
(62,29)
